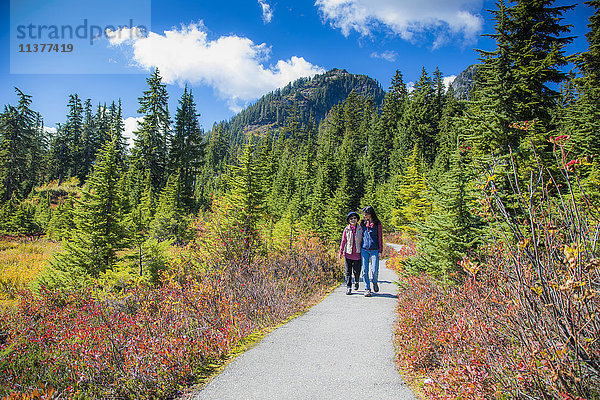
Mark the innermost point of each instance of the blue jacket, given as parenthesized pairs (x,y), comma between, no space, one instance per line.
(372,237)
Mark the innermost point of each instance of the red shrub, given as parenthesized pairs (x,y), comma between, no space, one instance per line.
(148,342)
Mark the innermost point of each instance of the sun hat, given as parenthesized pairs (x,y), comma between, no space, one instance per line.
(351,213)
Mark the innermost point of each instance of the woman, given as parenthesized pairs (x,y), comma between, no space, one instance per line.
(372,245)
(350,247)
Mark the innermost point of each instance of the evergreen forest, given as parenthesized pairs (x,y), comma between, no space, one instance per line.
(495,189)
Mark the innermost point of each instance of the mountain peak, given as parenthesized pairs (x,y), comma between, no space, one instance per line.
(306,98)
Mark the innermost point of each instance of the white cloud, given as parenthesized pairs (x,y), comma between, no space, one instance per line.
(267,11)
(410,86)
(387,55)
(448,80)
(412,20)
(232,65)
(131,125)
(50,129)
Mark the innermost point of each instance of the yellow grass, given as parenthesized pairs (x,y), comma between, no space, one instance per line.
(21,261)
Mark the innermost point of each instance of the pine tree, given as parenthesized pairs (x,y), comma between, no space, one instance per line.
(583,115)
(170,221)
(513,82)
(187,149)
(418,126)
(453,109)
(246,195)
(412,195)
(218,148)
(99,232)
(450,231)
(62,223)
(18,140)
(153,136)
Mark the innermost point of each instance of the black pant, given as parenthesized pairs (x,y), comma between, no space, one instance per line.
(352,265)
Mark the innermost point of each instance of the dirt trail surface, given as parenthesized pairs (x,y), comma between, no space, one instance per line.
(340,349)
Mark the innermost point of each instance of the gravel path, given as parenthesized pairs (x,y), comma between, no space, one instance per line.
(340,349)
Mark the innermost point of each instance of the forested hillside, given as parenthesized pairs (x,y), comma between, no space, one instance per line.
(499,188)
(306,99)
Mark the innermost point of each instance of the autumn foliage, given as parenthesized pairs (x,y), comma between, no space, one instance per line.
(524,323)
(150,341)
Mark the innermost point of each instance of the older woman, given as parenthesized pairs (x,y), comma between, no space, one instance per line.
(350,247)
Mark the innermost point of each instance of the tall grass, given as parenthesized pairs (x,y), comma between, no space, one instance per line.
(21,261)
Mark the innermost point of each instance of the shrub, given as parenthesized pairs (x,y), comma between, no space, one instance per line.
(150,341)
(524,323)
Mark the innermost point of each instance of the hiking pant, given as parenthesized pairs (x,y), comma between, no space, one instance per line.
(352,266)
(370,261)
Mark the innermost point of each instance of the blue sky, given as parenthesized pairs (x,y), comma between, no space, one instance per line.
(230,52)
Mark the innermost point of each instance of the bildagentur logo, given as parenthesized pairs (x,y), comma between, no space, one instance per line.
(85,30)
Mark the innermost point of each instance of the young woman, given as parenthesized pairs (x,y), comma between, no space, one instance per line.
(372,245)
(350,247)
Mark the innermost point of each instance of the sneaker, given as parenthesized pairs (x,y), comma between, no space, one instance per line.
(355,285)
(375,287)
(368,293)
(348,291)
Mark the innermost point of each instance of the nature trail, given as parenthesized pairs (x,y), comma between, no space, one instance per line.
(341,348)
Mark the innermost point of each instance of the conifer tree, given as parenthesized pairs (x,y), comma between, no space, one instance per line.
(393,108)
(583,115)
(103,124)
(246,195)
(268,166)
(153,135)
(218,148)
(117,128)
(62,223)
(283,184)
(334,213)
(412,195)
(187,149)
(43,210)
(439,94)
(326,177)
(418,126)
(537,50)
(99,232)
(170,220)
(351,150)
(450,231)
(304,173)
(448,132)
(18,127)
(513,82)
(486,124)
(89,141)
(73,131)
